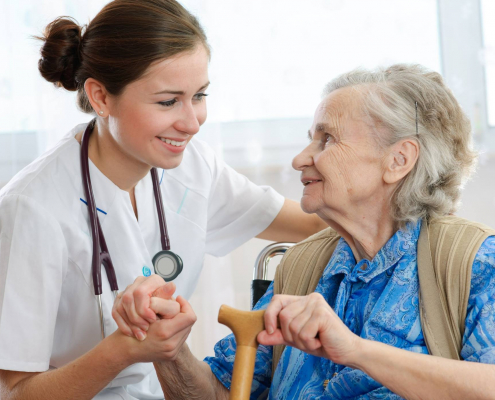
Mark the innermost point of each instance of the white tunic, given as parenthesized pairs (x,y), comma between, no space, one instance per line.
(48,311)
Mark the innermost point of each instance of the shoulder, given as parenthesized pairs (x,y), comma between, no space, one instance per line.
(323,237)
(314,251)
(457,223)
(483,271)
(55,165)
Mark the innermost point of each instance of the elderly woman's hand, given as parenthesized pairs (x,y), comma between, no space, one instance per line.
(141,302)
(309,324)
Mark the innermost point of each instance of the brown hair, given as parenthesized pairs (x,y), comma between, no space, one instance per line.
(117,46)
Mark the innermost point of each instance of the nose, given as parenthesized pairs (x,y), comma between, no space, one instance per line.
(303,160)
(188,120)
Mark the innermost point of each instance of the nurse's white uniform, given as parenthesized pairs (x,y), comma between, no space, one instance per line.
(48,311)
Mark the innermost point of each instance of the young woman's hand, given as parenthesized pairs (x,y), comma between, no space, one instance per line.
(165,337)
(309,324)
(142,303)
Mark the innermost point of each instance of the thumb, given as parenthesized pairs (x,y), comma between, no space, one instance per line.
(165,292)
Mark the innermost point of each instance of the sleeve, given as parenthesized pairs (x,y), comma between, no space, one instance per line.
(479,335)
(222,364)
(33,260)
(238,210)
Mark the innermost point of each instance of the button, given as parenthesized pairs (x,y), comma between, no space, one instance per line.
(325,383)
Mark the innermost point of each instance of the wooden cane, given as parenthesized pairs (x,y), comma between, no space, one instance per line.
(245,325)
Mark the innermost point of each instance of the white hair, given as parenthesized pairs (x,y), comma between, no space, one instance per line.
(446,157)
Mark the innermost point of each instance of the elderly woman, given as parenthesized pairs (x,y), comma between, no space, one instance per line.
(388,152)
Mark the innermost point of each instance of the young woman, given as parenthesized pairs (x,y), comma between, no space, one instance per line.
(142,68)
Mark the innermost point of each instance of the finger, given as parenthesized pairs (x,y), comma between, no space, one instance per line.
(185,307)
(304,313)
(273,339)
(130,311)
(136,332)
(301,335)
(165,308)
(308,339)
(142,294)
(121,323)
(288,314)
(278,303)
(171,327)
(166,291)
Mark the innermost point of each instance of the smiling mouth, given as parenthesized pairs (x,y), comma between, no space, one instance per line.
(309,182)
(173,142)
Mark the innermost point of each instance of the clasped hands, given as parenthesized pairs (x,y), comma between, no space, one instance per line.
(147,308)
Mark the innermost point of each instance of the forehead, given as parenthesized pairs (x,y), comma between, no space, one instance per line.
(338,106)
(180,71)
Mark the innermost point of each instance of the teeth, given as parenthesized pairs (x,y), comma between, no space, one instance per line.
(173,142)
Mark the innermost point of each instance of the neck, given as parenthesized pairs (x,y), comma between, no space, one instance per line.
(118,166)
(366,230)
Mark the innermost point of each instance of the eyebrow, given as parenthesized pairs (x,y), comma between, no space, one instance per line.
(181,92)
(322,127)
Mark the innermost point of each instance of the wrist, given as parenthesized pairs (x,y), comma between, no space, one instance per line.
(357,357)
(121,349)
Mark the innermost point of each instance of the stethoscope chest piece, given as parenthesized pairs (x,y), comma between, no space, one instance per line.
(167,264)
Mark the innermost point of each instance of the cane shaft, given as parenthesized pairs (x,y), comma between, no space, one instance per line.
(242,377)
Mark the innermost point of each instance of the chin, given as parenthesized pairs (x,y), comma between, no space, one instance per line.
(308,206)
(170,163)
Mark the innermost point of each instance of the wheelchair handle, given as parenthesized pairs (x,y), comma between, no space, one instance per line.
(270,251)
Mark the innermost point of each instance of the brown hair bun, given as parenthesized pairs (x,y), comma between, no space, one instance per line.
(60,54)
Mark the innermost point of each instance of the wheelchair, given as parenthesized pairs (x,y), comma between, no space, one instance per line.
(260,282)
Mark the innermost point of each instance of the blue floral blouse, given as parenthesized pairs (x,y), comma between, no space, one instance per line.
(377,300)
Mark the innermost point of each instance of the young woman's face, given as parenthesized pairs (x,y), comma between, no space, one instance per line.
(156,116)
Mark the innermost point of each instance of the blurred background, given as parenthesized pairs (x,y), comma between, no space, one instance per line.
(270,62)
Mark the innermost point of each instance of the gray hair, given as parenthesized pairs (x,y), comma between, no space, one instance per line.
(446,157)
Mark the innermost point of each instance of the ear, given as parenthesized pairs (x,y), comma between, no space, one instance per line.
(97,96)
(401,160)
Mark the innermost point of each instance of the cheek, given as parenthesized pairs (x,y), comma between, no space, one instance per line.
(201,113)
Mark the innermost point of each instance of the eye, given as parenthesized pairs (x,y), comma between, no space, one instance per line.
(168,103)
(200,96)
(327,139)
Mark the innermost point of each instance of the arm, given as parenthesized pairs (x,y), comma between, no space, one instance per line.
(292,224)
(188,378)
(420,376)
(89,374)
(81,379)
(309,324)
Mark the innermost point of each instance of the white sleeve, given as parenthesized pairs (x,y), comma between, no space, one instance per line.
(33,261)
(238,210)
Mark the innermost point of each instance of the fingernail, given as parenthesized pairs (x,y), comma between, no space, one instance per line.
(141,336)
(145,328)
(270,330)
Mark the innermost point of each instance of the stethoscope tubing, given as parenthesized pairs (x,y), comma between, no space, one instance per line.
(101,254)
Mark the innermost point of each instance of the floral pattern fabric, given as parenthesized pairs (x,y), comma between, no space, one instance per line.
(377,300)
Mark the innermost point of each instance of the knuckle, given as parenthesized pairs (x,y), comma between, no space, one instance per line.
(127,299)
(316,296)
(284,316)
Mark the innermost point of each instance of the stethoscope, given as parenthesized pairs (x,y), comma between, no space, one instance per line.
(166,263)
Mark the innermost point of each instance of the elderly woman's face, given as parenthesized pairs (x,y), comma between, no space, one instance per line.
(341,168)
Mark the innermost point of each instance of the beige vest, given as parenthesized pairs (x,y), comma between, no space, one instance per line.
(447,247)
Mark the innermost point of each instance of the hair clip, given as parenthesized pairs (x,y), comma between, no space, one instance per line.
(416,105)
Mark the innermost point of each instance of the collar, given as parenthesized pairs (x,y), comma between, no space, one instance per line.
(343,262)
